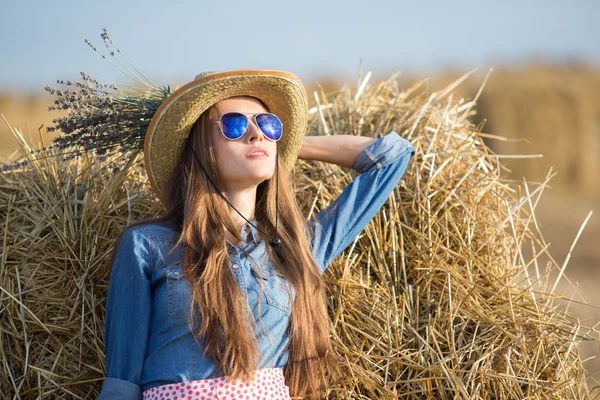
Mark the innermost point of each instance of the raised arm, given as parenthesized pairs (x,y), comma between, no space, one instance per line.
(381,163)
(341,150)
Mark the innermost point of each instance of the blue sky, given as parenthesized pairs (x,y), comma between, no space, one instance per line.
(42,41)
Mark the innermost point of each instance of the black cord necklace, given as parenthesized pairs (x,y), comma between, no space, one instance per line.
(276,242)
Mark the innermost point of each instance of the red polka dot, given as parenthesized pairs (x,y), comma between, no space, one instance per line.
(268,384)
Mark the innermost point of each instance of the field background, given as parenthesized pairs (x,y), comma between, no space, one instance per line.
(546,110)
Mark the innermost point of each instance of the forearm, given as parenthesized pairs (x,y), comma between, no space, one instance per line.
(341,150)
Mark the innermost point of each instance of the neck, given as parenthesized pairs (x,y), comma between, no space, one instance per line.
(244,200)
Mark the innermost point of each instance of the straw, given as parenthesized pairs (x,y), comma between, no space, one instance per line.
(432,300)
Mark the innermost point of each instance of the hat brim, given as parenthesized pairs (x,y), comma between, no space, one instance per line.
(282,93)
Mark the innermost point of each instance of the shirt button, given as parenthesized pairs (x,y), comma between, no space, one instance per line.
(235,266)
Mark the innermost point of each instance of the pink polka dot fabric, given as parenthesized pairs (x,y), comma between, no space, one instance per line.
(269,384)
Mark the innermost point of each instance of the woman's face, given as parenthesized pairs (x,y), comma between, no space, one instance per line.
(237,170)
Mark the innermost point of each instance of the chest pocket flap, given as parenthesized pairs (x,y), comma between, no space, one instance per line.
(275,287)
(179,292)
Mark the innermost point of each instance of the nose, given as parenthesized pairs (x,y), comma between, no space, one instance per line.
(254,131)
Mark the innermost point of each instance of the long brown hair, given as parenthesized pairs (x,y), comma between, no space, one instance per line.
(201,213)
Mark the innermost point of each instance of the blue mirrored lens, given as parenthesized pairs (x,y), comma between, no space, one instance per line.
(270,125)
(234,125)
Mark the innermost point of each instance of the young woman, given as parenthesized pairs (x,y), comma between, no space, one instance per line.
(223,296)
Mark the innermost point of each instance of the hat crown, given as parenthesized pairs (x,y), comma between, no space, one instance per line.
(205,73)
(281,92)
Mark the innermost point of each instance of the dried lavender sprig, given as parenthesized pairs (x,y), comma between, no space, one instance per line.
(92,136)
(126,111)
(129,74)
(105,36)
(131,143)
(140,77)
(17,164)
(102,118)
(119,69)
(125,155)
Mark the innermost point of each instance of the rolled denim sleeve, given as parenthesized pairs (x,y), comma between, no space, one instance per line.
(127,319)
(381,166)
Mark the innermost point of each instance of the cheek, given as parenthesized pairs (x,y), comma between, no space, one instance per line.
(223,153)
(219,150)
(229,159)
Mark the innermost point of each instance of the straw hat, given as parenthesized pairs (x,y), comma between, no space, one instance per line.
(282,93)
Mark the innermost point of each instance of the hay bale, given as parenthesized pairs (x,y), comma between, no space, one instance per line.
(553,111)
(432,300)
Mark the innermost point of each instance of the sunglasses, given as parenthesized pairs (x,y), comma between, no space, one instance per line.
(234,124)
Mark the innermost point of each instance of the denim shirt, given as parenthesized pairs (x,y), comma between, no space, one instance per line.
(148,341)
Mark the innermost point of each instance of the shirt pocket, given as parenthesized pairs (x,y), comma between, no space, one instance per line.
(179,293)
(274,288)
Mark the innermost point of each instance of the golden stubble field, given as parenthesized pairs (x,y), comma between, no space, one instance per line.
(541,110)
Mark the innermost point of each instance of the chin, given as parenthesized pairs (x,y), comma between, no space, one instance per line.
(262,177)
(257,174)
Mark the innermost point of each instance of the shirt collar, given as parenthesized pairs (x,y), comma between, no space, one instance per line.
(252,229)
(247,226)
(248,233)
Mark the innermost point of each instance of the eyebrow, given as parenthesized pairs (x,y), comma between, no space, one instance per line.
(219,116)
(239,112)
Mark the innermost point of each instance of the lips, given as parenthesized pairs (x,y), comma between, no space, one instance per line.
(258,150)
